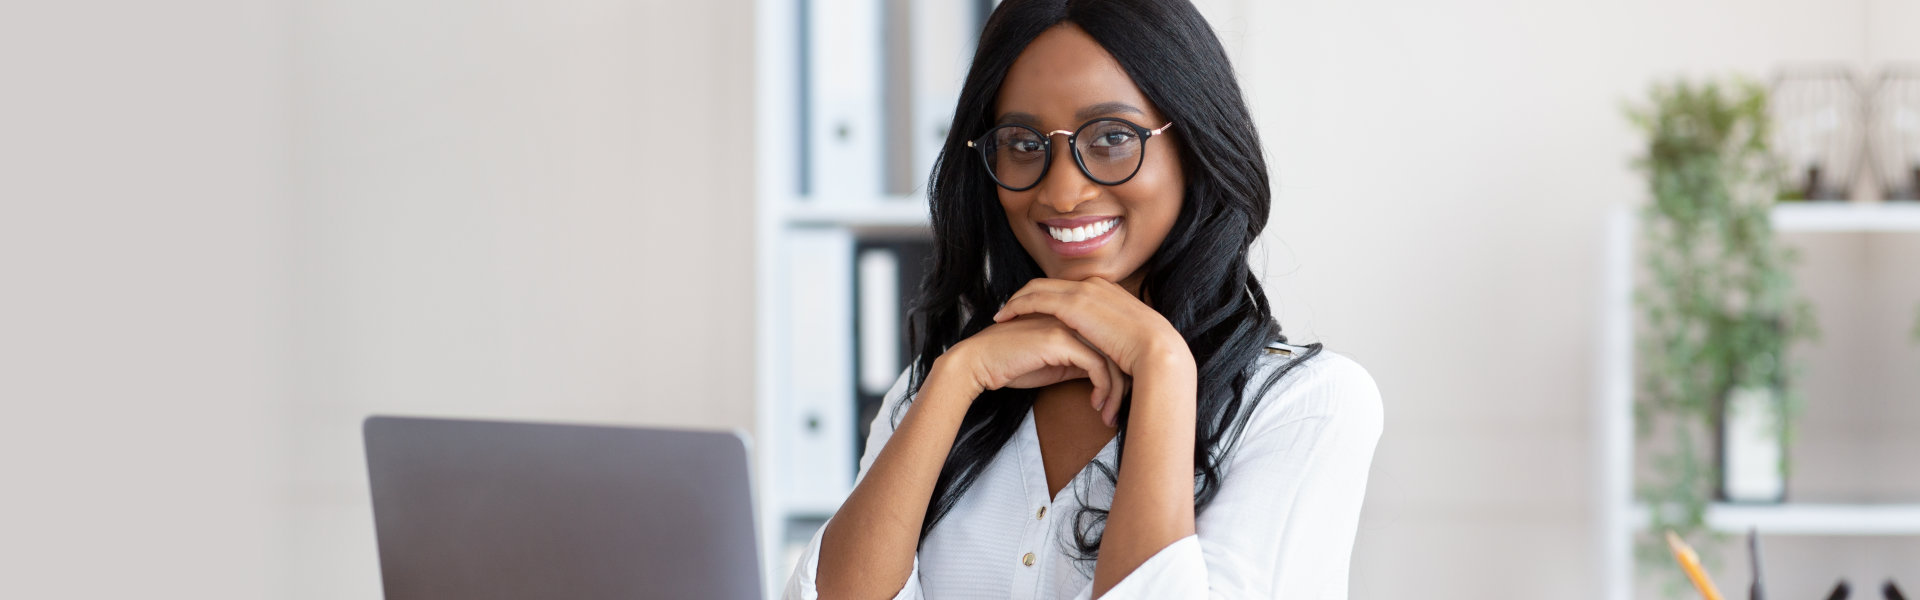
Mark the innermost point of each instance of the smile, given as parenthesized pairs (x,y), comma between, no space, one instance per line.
(1083,239)
(1083,232)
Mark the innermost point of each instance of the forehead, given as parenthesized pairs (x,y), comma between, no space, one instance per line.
(1061,74)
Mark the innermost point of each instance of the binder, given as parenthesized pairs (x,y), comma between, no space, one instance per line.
(817,421)
(879,318)
(890,269)
(942,40)
(925,50)
(843,88)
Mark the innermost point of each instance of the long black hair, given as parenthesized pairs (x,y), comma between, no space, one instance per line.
(1198,279)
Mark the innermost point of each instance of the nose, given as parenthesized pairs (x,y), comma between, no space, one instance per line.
(1065,187)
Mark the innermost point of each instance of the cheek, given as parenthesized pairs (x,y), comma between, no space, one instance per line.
(1015,206)
(1169,179)
(1157,198)
(1012,206)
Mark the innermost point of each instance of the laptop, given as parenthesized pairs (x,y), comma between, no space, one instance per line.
(492,509)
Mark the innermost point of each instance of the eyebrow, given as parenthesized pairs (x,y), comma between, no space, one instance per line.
(1103,108)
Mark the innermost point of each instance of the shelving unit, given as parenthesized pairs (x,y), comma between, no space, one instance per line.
(894,212)
(1618,516)
(1847,217)
(852,100)
(1808,518)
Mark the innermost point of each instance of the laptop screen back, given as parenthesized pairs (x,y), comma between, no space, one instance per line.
(484,509)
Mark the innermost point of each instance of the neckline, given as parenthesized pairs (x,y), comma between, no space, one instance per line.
(1030,446)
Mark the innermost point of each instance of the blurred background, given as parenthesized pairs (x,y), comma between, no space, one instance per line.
(230,230)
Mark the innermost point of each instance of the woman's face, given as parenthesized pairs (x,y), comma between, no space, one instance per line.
(1061,80)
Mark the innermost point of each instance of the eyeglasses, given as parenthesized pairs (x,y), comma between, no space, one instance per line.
(1108,150)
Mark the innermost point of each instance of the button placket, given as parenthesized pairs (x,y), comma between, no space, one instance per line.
(1034,534)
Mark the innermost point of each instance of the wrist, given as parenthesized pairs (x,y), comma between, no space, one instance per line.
(1165,381)
(1167,359)
(947,382)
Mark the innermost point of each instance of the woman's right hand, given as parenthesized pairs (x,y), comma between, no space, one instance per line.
(1035,350)
(867,548)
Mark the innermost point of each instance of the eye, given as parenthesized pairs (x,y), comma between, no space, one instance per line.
(1113,137)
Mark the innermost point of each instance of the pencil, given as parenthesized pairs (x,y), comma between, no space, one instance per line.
(1690,562)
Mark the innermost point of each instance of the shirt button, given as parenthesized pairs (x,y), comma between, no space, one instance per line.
(1027,560)
(1042,514)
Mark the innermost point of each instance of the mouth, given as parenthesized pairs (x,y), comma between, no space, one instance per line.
(1082,238)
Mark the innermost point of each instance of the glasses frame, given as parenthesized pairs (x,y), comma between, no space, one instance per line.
(979,145)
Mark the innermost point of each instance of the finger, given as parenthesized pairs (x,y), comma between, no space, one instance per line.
(1095,364)
(1111,413)
(1100,397)
(1111,409)
(1072,372)
(1020,298)
(1042,284)
(1113,394)
(1051,303)
(1038,286)
(1102,381)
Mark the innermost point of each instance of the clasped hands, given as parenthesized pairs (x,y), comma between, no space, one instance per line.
(1055,330)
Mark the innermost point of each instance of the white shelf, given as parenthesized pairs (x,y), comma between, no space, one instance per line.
(1838,217)
(1808,519)
(890,212)
(1618,516)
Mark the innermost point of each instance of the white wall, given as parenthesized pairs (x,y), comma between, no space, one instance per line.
(509,209)
(230,230)
(1443,170)
(143,338)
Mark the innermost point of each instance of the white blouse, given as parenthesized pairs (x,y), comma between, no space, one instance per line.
(1282,525)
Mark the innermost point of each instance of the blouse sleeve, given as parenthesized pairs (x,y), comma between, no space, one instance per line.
(1283,523)
(800,585)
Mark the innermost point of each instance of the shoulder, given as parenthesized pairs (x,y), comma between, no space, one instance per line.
(1325,384)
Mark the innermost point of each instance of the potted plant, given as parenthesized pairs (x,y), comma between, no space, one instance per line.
(1717,302)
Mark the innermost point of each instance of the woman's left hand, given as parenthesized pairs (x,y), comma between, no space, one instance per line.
(1117,324)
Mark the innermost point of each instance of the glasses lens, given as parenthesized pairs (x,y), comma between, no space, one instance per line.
(1109,149)
(1016,155)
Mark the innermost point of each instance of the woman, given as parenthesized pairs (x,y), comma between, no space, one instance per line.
(1098,364)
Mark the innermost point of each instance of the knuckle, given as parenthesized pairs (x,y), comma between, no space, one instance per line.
(1055,335)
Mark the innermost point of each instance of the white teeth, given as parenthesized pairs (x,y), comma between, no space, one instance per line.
(1083,232)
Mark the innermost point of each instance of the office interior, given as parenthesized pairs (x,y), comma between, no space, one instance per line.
(234,229)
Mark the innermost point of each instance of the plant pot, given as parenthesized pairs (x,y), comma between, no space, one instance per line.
(1750,446)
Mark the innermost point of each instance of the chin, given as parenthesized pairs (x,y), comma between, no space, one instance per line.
(1081,273)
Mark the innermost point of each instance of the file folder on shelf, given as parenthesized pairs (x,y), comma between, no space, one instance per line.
(818,417)
(843,88)
(890,272)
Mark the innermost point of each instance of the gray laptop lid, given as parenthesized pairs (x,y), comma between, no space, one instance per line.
(487,509)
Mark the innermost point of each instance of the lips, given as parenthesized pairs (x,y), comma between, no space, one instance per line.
(1075,237)
(1077,221)
(1082,233)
